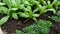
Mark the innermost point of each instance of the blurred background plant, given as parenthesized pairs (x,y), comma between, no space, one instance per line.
(41,27)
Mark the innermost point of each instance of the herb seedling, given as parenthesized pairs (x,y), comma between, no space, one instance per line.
(41,27)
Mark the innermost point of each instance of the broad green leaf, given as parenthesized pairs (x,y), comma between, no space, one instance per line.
(14,4)
(26,2)
(15,16)
(14,9)
(4,20)
(3,10)
(2,3)
(29,8)
(21,6)
(25,9)
(24,15)
(35,10)
(36,15)
(8,2)
(53,10)
(18,2)
(34,19)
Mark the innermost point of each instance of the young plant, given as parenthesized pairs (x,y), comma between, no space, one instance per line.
(28,14)
(41,27)
(23,8)
(49,5)
(56,3)
(3,20)
(56,18)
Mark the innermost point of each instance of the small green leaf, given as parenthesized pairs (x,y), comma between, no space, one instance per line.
(21,6)
(34,19)
(49,5)
(53,10)
(30,14)
(36,15)
(56,18)
(2,3)
(3,9)
(18,32)
(15,16)
(8,3)
(29,8)
(14,4)
(3,20)
(14,9)
(24,15)
(26,2)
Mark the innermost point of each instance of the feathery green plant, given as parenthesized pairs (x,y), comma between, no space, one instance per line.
(57,17)
(41,27)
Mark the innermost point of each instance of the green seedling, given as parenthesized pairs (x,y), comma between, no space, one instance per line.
(41,27)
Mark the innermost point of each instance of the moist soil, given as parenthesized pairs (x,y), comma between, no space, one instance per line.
(55,29)
(12,25)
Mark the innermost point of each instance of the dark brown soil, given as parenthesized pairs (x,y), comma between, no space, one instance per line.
(12,25)
(55,29)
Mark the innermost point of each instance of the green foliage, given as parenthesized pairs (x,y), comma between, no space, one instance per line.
(14,15)
(3,20)
(2,3)
(56,18)
(23,8)
(56,3)
(3,10)
(41,27)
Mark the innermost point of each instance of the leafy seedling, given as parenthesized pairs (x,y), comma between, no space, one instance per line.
(56,18)
(3,20)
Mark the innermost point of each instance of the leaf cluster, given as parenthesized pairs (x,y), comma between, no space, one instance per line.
(24,8)
(41,27)
(57,17)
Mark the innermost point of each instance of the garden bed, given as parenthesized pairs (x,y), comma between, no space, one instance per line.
(30,15)
(11,26)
